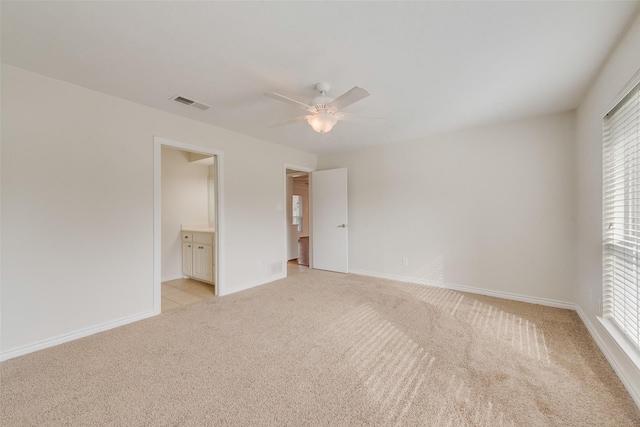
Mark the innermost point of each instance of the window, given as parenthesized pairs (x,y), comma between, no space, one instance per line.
(297,212)
(621,213)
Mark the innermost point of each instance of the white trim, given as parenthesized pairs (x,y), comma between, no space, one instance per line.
(625,344)
(174,277)
(158,142)
(61,339)
(633,81)
(157,226)
(611,358)
(255,283)
(297,168)
(469,289)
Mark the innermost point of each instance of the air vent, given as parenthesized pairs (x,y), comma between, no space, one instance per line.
(190,102)
(183,100)
(275,268)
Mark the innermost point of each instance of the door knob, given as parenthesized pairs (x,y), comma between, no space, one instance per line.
(342,226)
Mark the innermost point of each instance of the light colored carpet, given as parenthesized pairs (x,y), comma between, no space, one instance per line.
(323,348)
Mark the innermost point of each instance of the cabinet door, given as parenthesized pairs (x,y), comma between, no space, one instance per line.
(207,259)
(187,259)
(202,262)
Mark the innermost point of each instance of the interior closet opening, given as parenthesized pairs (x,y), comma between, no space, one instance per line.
(188,224)
(188,227)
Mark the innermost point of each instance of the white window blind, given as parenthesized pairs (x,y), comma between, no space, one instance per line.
(621,211)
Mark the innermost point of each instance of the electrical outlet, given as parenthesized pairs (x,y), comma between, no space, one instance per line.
(590,296)
(259,264)
(405,261)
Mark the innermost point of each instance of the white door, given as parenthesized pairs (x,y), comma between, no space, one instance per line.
(207,262)
(199,262)
(329,220)
(202,262)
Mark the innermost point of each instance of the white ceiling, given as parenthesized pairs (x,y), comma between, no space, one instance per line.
(431,67)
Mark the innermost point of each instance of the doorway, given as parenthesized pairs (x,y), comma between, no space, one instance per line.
(210,221)
(328,218)
(298,218)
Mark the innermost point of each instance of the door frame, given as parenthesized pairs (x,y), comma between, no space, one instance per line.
(219,276)
(286,223)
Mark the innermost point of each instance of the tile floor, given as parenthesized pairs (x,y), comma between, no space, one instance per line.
(181,292)
(294,268)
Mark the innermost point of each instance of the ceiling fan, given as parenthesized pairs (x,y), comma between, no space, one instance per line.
(324,110)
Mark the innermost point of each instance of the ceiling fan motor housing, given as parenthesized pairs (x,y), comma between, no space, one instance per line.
(320,103)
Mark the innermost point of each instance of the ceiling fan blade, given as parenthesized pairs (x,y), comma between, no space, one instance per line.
(287,100)
(348,117)
(349,97)
(288,122)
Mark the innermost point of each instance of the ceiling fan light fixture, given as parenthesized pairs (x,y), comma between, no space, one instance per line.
(324,111)
(323,122)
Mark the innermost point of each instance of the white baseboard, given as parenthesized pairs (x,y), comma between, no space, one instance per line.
(243,287)
(610,356)
(173,277)
(469,289)
(60,339)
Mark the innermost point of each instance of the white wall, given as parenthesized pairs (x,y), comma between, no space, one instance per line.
(77,208)
(623,63)
(184,201)
(490,208)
